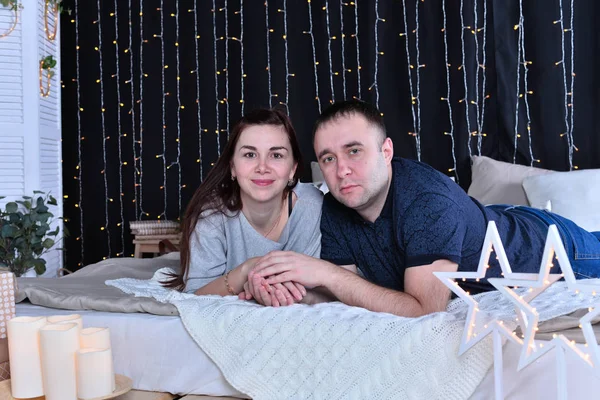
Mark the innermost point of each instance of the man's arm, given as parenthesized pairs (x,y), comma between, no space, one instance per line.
(424,293)
(321,294)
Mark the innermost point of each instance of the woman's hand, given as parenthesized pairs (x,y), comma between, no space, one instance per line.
(279,294)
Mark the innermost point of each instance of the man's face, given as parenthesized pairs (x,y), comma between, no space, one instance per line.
(355,164)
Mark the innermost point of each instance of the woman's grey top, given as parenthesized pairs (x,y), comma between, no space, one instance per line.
(220,242)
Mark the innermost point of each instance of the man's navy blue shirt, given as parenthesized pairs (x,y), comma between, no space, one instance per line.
(426,217)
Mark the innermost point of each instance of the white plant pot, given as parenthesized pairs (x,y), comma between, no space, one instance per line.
(30,273)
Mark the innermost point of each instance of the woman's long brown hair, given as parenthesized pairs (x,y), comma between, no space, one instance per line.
(219,192)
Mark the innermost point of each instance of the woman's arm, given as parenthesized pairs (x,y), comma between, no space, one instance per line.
(236,279)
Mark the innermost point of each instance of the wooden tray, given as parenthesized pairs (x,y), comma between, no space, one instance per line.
(122,382)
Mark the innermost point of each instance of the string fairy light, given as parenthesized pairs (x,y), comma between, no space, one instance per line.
(527,92)
(104,137)
(45,91)
(129,50)
(419,66)
(164,108)
(79,167)
(268,30)
(478,69)
(358,67)
(484,86)
(447,98)
(50,36)
(197,72)
(409,68)
(180,107)
(243,74)
(226,99)
(217,72)
(518,99)
(287,66)
(375,84)
(314,52)
(342,37)
(140,172)
(45,64)
(329,38)
(12,27)
(572,31)
(566,90)
(119,129)
(464,71)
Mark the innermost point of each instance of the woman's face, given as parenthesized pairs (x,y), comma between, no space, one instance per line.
(263,162)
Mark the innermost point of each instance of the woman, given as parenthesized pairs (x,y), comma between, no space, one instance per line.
(251,203)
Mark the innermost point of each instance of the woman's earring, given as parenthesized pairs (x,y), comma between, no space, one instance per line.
(232,178)
(291,182)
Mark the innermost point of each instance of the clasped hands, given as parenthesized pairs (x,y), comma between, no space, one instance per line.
(281,278)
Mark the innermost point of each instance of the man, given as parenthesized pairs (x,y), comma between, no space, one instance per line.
(399,221)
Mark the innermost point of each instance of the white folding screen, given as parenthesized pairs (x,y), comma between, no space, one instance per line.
(30,116)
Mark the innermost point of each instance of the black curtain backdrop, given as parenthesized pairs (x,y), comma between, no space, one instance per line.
(140,120)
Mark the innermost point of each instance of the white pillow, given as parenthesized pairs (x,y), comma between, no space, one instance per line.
(574,195)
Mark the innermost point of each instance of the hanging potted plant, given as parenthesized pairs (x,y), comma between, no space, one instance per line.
(14,6)
(46,64)
(25,234)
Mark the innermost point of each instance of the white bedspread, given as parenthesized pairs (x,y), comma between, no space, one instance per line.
(335,351)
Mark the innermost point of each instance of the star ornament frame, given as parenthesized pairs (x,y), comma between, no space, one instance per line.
(529,315)
(531,350)
(474,331)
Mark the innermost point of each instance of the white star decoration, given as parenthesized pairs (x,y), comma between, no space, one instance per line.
(492,241)
(590,337)
(530,318)
(473,332)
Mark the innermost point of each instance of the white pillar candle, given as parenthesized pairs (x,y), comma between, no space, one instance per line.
(98,338)
(67,319)
(94,373)
(24,354)
(58,344)
(95,337)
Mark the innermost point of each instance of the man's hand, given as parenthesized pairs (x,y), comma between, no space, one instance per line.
(288,266)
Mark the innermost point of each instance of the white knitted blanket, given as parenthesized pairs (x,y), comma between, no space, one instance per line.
(333,351)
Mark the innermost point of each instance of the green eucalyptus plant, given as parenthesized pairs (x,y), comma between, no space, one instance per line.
(12,4)
(60,6)
(48,63)
(25,234)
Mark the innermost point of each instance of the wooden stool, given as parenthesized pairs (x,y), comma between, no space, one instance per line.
(151,243)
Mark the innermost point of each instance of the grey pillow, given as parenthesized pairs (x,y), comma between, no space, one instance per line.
(317,174)
(497,182)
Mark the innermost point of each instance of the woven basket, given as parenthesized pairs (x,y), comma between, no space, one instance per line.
(144,228)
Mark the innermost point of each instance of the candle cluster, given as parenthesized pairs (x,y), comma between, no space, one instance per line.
(56,357)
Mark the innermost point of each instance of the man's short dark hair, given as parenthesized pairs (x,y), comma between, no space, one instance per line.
(350,108)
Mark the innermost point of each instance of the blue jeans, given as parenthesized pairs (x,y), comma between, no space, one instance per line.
(583,247)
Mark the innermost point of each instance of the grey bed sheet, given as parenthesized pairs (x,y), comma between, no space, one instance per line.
(86,290)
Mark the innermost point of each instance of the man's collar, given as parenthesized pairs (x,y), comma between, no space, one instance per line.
(388,207)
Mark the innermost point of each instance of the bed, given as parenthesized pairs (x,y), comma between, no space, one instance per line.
(159,355)
(152,346)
